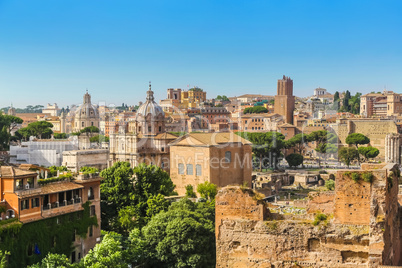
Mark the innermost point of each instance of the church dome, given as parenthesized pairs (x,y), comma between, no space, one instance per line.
(150,106)
(86,109)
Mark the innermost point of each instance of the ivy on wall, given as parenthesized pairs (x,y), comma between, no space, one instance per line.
(54,235)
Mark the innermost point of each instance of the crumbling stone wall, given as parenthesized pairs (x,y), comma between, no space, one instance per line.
(321,201)
(245,240)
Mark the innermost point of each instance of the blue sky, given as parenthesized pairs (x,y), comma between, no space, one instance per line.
(52,51)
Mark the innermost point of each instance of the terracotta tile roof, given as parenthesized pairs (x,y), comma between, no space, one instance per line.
(8,171)
(166,136)
(287,125)
(194,139)
(59,187)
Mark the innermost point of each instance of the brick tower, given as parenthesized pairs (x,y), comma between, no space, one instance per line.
(284,99)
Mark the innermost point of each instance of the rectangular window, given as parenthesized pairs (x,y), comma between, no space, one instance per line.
(228,156)
(25,204)
(198,171)
(35,202)
(82,124)
(189,169)
(91,231)
(181,168)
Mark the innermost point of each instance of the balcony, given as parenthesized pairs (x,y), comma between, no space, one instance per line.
(67,206)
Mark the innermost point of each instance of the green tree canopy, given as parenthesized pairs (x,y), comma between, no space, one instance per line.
(53,260)
(106,254)
(294,160)
(91,129)
(207,190)
(266,147)
(348,154)
(357,139)
(190,191)
(129,189)
(99,139)
(255,110)
(183,236)
(222,98)
(368,152)
(60,136)
(7,124)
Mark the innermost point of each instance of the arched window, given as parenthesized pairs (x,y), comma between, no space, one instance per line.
(91,195)
(228,156)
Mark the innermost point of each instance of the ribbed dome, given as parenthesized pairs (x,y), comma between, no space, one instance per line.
(150,106)
(86,109)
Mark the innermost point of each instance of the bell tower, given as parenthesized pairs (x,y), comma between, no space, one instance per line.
(284,99)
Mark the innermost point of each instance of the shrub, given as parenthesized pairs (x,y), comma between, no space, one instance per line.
(190,191)
(319,218)
(332,177)
(355,176)
(54,179)
(330,184)
(89,170)
(368,177)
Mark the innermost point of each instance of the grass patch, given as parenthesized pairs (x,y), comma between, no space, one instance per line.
(319,218)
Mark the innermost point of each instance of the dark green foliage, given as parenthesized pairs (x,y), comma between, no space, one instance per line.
(357,139)
(99,139)
(91,129)
(183,236)
(368,177)
(347,155)
(39,129)
(267,147)
(255,110)
(336,96)
(28,109)
(129,189)
(298,142)
(222,98)
(207,190)
(16,237)
(294,160)
(7,123)
(60,136)
(190,191)
(355,176)
(368,152)
(330,185)
(3,258)
(319,218)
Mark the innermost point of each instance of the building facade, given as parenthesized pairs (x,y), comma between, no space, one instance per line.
(86,115)
(219,158)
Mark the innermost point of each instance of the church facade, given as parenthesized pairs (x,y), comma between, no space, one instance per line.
(147,142)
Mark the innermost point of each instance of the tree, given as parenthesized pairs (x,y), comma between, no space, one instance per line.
(40,129)
(336,96)
(368,152)
(53,261)
(294,160)
(127,189)
(348,154)
(357,139)
(7,124)
(298,142)
(207,190)
(222,98)
(99,139)
(325,142)
(60,136)
(255,110)
(183,236)
(91,129)
(106,254)
(190,191)
(267,146)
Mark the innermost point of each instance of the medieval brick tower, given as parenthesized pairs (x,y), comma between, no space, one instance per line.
(284,99)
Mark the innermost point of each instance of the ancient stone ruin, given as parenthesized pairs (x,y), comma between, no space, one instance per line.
(357,225)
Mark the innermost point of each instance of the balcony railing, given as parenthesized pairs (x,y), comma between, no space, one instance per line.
(65,203)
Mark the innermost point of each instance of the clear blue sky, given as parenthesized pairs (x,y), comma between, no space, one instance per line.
(51,51)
